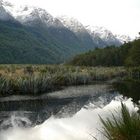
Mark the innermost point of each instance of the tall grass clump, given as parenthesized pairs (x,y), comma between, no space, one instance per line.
(125,127)
(30,85)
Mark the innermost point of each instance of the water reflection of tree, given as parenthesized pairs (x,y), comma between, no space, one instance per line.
(129,89)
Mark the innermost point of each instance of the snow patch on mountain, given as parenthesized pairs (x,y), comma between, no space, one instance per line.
(4,13)
(124,38)
(30,14)
(107,36)
(72,24)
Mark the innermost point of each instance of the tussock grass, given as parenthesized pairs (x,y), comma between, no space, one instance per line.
(126,127)
(38,79)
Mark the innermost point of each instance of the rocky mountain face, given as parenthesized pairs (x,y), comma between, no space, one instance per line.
(32,35)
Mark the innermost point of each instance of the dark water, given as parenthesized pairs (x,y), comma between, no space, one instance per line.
(129,89)
(61,114)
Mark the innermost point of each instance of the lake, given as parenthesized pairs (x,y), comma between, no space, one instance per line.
(68,114)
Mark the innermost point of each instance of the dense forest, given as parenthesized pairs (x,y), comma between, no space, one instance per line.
(128,54)
(20,44)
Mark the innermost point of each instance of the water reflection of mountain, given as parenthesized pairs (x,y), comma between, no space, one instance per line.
(31,111)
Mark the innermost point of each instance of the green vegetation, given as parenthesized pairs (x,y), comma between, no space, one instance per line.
(99,57)
(36,45)
(133,58)
(38,79)
(18,45)
(126,55)
(124,127)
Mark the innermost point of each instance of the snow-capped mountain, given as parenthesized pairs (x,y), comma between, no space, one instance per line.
(104,34)
(101,36)
(72,24)
(89,35)
(28,15)
(78,29)
(123,38)
(32,35)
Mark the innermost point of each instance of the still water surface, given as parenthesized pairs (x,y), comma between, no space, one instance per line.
(69,114)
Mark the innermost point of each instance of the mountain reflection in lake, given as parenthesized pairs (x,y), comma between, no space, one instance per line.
(69,114)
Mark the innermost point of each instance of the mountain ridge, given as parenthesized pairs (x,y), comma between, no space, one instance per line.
(26,13)
(57,42)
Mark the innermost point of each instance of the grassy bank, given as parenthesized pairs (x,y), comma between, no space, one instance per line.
(124,127)
(37,79)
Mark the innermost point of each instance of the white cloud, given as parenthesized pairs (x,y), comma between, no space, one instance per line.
(121,16)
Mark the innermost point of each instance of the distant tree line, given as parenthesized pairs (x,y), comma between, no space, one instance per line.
(126,55)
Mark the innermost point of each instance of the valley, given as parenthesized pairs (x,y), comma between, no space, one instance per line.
(69,77)
(30,35)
